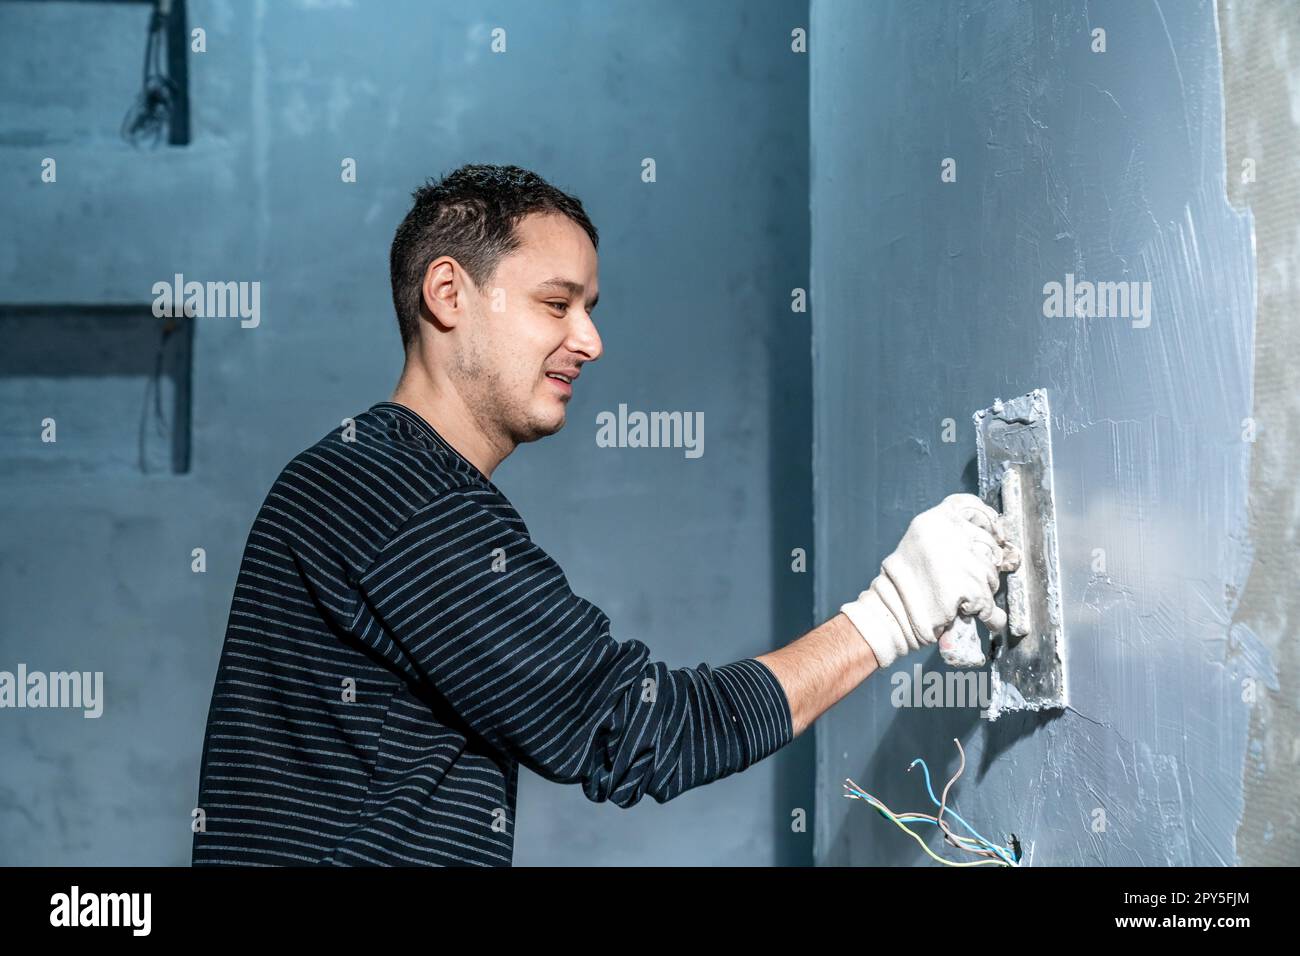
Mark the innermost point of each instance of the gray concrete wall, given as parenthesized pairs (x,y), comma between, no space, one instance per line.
(928,303)
(689,555)
(1261,81)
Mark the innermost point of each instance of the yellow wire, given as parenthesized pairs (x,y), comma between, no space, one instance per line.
(899,823)
(975,845)
(860,794)
(902,826)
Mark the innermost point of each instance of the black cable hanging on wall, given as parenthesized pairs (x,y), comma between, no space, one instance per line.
(153,110)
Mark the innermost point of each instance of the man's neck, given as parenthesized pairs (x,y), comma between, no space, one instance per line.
(439,404)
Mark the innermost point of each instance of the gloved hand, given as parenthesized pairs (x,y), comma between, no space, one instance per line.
(947,564)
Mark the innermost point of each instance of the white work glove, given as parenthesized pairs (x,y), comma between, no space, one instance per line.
(947,564)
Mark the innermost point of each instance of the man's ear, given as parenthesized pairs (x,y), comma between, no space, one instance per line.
(440,293)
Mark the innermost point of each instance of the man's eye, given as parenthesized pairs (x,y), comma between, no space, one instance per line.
(558,305)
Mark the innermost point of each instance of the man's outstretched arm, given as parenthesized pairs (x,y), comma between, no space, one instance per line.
(949,560)
(820,668)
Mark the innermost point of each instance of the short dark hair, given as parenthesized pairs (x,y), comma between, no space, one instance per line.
(470,215)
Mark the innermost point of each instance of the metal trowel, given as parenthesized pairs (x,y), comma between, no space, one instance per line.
(1013,442)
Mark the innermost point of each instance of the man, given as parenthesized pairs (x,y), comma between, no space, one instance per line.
(397,644)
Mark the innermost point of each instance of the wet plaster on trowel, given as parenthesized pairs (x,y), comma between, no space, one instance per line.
(1104,166)
(1013,441)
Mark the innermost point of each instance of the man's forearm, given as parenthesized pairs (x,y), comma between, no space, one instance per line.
(819,668)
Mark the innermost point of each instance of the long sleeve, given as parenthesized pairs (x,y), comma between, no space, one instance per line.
(461,598)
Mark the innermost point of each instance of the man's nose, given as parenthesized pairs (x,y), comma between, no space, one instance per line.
(586,339)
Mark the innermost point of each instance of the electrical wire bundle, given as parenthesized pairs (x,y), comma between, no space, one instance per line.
(992,853)
(150,114)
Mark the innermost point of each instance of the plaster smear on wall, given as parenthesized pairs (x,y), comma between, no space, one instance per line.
(929,301)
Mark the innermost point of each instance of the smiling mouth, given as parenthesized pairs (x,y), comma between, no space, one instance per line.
(562,382)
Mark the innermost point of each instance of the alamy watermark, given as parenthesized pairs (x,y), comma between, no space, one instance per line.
(954,688)
(651,430)
(1098,300)
(209,300)
(74,689)
(76,908)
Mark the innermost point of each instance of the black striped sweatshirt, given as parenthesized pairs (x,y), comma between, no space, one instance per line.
(398,645)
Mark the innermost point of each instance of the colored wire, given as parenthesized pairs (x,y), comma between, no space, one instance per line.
(943,800)
(902,826)
(900,822)
(953,813)
(910,817)
(976,843)
(979,846)
(998,857)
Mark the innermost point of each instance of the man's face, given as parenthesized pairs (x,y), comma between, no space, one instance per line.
(531,322)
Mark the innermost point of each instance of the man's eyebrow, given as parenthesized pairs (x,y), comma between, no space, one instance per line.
(567,285)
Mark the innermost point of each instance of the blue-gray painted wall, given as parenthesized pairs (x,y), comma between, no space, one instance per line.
(691,556)
(928,304)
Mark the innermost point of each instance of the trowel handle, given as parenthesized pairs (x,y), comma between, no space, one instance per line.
(1013,523)
(959,646)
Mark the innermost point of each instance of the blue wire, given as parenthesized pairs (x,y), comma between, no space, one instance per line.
(909,818)
(956,816)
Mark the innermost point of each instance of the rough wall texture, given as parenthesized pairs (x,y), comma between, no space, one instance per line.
(928,301)
(1261,80)
(689,555)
